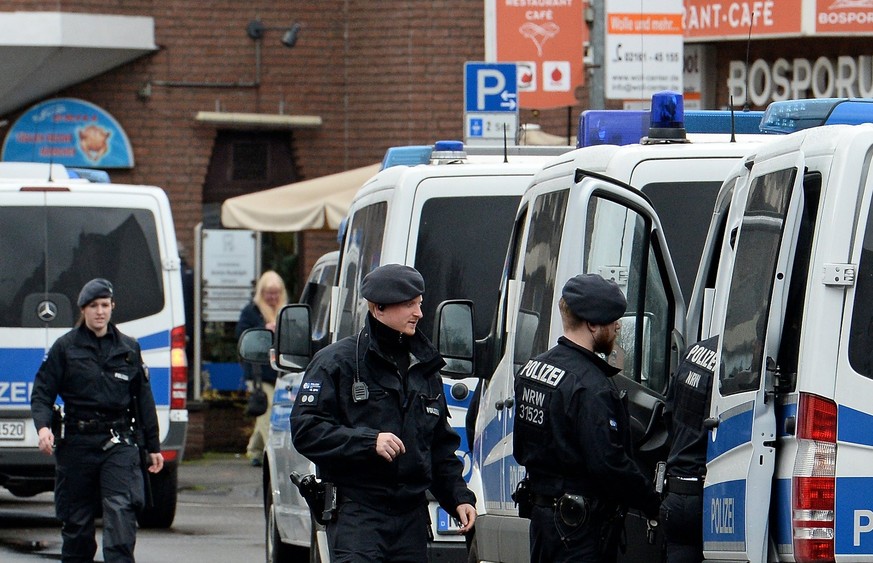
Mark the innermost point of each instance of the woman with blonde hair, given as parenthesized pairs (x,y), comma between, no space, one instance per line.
(270,297)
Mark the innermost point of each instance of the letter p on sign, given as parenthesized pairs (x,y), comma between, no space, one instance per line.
(863,524)
(489,82)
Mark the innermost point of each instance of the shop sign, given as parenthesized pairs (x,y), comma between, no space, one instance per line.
(71,132)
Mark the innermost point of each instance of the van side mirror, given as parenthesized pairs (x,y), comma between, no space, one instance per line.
(293,338)
(454,337)
(254,346)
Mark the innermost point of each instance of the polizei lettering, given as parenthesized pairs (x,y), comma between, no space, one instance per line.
(703,357)
(721,520)
(542,372)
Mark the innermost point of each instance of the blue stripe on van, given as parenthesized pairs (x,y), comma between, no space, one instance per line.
(782,515)
(734,429)
(155,341)
(853,426)
(724,516)
(159,377)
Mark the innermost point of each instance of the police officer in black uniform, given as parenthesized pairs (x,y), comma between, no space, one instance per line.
(572,433)
(686,408)
(99,374)
(371,414)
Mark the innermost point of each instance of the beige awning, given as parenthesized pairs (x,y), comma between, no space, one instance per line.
(311,204)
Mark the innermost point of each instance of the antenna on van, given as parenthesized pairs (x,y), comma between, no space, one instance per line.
(748,45)
(733,121)
(505,148)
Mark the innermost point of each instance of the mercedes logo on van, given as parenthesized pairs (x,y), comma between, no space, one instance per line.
(47,311)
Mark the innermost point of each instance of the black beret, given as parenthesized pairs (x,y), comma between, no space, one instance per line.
(392,283)
(594,299)
(94,289)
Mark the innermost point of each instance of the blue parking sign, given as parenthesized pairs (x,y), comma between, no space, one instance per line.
(490,87)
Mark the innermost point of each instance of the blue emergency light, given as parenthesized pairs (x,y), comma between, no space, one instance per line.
(406,156)
(625,127)
(787,116)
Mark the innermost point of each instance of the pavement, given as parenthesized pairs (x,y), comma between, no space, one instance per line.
(222,474)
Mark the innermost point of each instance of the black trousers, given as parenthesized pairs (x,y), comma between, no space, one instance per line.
(682,522)
(552,541)
(88,480)
(363,534)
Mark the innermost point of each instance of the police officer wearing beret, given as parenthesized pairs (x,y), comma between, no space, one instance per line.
(686,408)
(572,433)
(371,414)
(98,372)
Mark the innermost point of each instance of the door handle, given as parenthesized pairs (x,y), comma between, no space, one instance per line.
(509,402)
(498,405)
(711,423)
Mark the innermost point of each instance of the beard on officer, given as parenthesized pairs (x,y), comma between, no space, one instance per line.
(371,415)
(572,434)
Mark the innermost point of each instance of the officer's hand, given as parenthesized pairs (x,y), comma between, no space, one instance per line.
(467,516)
(157,462)
(389,446)
(46,440)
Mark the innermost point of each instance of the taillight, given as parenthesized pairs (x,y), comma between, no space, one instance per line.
(178,369)
(814,480)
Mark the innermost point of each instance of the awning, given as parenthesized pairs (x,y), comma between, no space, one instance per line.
(311,204)
(44,52)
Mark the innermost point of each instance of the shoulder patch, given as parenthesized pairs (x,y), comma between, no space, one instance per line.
(309,392)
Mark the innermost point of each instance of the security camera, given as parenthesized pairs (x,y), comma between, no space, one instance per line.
(289,39)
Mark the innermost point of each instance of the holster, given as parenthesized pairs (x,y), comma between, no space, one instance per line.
(57,427)
(523,498)
(319,495)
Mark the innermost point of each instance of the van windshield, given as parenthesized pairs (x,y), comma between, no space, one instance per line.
(49,253)
(460,251)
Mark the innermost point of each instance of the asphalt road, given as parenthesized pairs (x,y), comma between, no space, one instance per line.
(219,519)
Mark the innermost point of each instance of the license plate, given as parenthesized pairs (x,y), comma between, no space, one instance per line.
(447,524)
(11,430)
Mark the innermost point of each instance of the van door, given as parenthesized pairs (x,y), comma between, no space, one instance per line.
(748,315)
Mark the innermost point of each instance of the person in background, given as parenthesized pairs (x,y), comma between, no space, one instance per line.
(109,408)
(686,408)
(371,415)
(270,297)
(572,433)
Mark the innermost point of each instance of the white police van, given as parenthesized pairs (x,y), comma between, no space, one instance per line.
(581,214)
(450,219)
(58,232)
(790,289)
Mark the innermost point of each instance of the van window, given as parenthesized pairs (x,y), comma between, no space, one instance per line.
(460,251)
(541,264)
(618,246)
(748,304)
(685,219)
(57,249)
(363,251)
(861,334)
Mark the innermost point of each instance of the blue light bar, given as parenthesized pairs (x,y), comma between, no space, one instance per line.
(406,156)
(788,116)
(93,176)
(719,121)
(611,127)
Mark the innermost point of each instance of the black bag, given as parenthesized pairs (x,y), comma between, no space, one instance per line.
(257,404)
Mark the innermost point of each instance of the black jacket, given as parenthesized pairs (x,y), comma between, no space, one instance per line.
(686,408)
(572,431)
(339,435)
(95,385)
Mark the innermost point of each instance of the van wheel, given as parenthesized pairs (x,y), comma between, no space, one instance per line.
(164,494)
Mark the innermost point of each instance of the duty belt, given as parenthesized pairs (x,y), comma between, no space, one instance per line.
(544,500)
(95,426)
(684,485)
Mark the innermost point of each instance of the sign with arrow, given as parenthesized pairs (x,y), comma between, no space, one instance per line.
(491,103)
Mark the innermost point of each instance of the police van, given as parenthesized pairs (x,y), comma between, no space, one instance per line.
(58,232)
(450,219)
(610,210)
(789,287)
